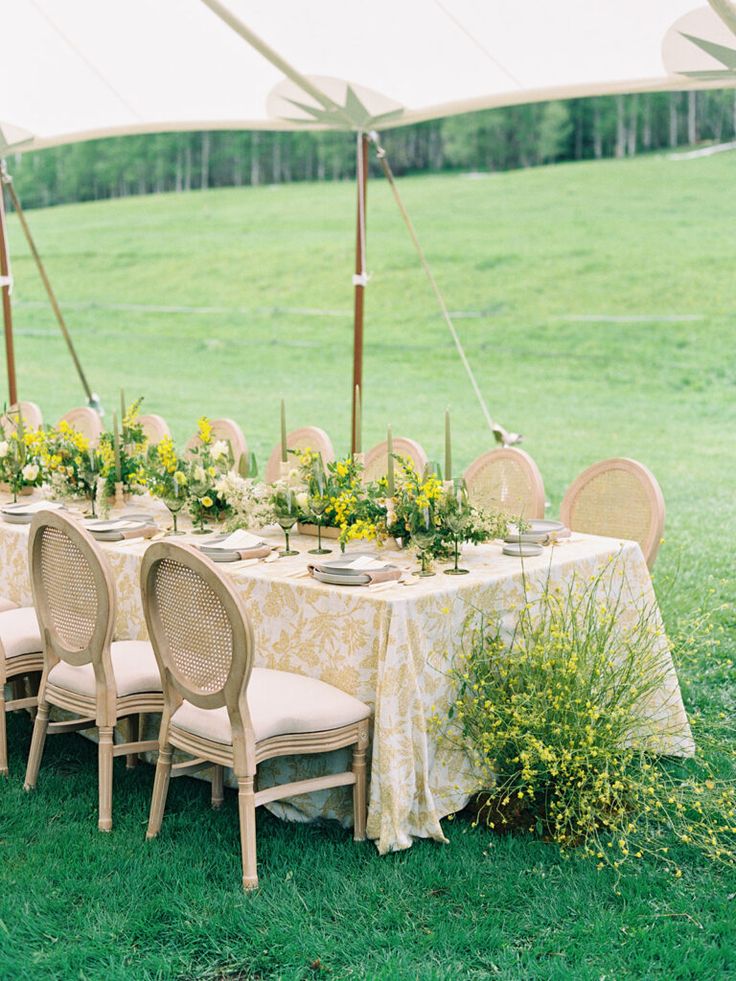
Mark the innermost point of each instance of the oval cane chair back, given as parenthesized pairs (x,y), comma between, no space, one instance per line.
(306,438)
(506,480)
(228,430)
(617,498)
(199,629)
(32,416)
(73,589)
(85,421)
(154,428)
(375,465)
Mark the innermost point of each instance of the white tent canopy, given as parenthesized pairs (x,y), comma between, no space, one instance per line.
(77,69)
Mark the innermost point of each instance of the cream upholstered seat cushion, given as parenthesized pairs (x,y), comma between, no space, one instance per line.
(19,632)
(280,703)
(133,663)
(7,604)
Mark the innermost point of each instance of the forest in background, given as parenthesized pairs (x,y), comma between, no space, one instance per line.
(495,139)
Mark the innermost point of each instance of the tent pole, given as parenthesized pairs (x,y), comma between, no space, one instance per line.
(7,182)
(7,310)
(361,172)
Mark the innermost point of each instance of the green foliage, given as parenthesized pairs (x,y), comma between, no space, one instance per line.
(555,712)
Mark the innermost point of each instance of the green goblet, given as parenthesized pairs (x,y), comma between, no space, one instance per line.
(424,539)
(318,506)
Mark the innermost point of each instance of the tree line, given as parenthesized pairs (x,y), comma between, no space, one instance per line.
(496,139)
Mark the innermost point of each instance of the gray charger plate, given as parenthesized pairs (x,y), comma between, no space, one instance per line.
(341,580)
(522,549)
(338,566)
(220,554)
(539,531)
(9,515)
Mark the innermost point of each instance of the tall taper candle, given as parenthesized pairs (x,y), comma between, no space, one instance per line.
(358,422)
(283,432)
(116,447)
(123,407)
(448,447)
(390,471)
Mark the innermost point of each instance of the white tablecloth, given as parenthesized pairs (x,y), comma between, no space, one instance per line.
(391,647)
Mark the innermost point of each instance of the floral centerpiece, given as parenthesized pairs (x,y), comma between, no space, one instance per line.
(123,456)
(436,516)
(335,496)
(210,460)
(167,477)
(71,464)
(249,501)
(22,456)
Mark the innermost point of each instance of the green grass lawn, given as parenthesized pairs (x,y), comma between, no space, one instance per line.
(599,317)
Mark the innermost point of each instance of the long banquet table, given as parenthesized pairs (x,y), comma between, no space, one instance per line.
(391,646)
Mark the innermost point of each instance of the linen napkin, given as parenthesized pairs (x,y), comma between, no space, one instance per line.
(246,545)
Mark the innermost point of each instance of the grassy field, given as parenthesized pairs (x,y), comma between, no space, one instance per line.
(598,310)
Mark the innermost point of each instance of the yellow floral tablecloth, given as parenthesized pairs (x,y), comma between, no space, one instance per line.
(390,646)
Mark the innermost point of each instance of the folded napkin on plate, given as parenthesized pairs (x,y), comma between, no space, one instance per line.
(260,552)
(142,531)
(375,570)
(239,541)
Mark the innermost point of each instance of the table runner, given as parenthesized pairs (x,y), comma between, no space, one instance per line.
(391,646)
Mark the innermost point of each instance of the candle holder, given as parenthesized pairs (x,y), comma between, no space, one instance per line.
(119,495)
(284,469)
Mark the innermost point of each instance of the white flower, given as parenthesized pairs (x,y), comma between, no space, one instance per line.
(30,472)
(199,475)
(219,449)
(4,449)
(302,501)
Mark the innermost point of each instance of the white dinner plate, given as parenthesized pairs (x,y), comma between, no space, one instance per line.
(522,549)
(221,554)
(342,580)
(18,514)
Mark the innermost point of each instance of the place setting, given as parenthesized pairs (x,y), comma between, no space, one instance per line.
(128,527)
(356,569)
(535,534)
(22,513)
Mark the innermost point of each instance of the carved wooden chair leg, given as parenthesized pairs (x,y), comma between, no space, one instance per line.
(105,778)
(3,735)
(37,743)
(218,793)
(160,790)
(30,690)
(359,793)
(247,811)
(132,724)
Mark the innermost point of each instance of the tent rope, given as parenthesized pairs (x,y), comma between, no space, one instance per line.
(499,433)
(6,181)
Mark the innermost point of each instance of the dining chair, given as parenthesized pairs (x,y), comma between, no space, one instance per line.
(154,428)
(85,421)
(375,464)
(85,672)
(29,411)
(21,657)
(306,438)
(506,480)
(617,498)
(221,710)
(228,430)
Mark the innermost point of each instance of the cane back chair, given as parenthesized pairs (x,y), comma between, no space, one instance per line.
(29,412)
(375,465)
(221,710)
(229,431)
(308,437)
(506,480)
(85,672)
(21,658)
(154,427)
(617,498)
(85,421)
